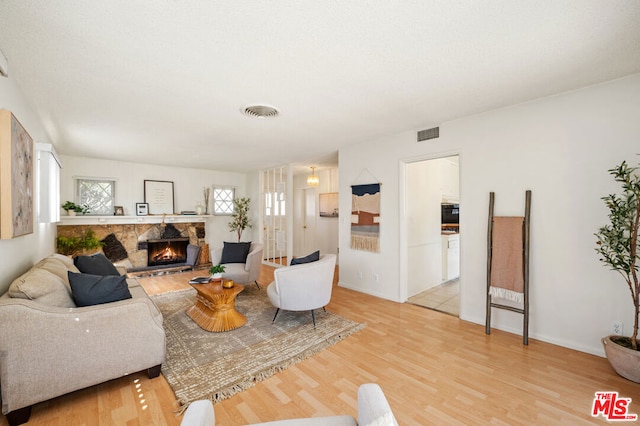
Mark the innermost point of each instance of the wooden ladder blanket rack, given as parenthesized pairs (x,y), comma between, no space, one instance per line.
(508,274)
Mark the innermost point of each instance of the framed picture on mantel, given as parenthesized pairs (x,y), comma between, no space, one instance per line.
(158,194)
(142,209)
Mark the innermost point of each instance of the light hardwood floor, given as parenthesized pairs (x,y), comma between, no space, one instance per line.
(433,368)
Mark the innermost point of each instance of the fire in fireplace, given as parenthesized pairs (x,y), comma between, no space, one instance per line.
(167,251)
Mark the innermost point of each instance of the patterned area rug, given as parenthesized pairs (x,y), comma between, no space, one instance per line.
(216,366)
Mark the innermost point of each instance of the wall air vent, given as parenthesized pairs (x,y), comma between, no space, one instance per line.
(427,134)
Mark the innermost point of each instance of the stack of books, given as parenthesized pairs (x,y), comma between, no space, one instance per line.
(200,280)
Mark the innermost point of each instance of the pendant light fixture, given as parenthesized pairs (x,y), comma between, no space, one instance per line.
(312,179)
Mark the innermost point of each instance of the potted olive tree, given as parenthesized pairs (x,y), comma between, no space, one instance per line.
(618,248)
(240,216)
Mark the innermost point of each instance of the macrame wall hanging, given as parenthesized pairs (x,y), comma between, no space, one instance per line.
(365,215)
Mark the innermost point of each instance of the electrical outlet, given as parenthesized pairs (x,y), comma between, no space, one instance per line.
(376,277)
(360,274)
(617,328)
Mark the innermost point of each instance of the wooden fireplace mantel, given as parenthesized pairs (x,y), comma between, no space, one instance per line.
(125,220)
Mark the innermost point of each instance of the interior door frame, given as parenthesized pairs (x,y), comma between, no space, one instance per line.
(403,196)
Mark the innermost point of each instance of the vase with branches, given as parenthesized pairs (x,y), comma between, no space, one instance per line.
(240,216)
(206,192)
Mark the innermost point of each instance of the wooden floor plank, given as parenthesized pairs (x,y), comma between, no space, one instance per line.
(433,367)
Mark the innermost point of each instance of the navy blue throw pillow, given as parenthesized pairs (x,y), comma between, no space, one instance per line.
(235,252)
(88,289)
(313,257)
(96,264)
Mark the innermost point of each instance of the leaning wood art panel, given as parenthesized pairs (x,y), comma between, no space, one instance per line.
(16,178)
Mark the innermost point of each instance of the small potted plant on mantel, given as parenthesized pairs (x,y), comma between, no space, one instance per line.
(216,272)
(619,250)
(73,208)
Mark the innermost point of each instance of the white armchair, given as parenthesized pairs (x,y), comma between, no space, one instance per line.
(242,273)
(303,287)
(373,409)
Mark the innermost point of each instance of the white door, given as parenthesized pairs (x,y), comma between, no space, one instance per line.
(309,224)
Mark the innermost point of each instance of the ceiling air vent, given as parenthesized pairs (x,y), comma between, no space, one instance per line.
(260,111)
(427,134)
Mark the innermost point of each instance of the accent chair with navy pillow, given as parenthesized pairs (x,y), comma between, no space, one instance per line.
(313,257)
(304,287)
(96,264)
(246,268)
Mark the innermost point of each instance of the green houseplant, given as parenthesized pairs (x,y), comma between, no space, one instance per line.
(73,245)
(216,271)
(70,206)
(618,248)
(240,216)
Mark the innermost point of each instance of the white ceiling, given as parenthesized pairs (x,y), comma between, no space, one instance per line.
(163,81)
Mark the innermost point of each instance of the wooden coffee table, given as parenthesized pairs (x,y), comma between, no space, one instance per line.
(215,308)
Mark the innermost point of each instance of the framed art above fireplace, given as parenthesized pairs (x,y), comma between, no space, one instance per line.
(158,194)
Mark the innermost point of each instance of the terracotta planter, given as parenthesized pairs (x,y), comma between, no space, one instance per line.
(625,361)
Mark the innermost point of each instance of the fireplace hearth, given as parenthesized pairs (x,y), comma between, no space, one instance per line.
(167,251)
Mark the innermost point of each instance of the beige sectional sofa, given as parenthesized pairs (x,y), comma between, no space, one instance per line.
(50,347)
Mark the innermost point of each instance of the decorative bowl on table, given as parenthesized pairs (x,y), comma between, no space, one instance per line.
(228,283)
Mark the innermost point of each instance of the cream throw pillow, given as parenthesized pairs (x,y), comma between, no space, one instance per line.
(42,286)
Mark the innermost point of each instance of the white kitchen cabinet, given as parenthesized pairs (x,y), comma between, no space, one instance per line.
(450,256)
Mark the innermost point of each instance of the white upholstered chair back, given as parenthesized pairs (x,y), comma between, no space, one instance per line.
(303,287)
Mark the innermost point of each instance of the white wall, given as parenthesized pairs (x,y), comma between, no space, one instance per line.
(559,147)
(19,254)
(188,188)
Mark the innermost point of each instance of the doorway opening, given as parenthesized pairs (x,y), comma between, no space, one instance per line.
(433,233)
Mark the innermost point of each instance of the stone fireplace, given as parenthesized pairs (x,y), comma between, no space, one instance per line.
(137,246)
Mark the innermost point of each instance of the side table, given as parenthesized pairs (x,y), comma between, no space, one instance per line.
(215,308)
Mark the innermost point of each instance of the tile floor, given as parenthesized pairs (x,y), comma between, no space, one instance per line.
(444,298)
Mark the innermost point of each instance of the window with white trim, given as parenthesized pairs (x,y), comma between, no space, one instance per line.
(98,194)
(223,201)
